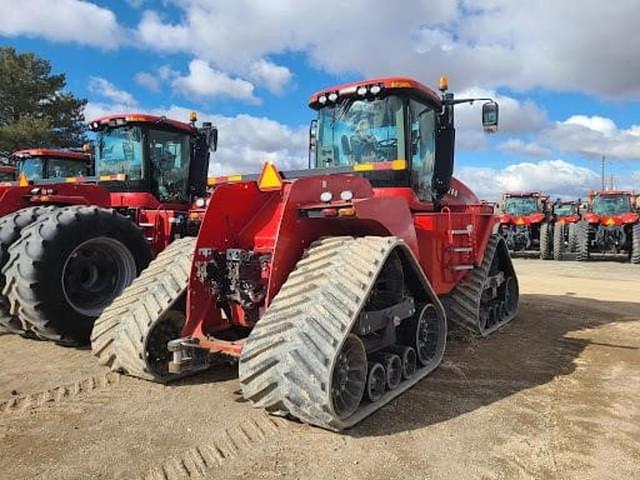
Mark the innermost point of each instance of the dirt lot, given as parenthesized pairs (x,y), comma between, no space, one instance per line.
(553,395)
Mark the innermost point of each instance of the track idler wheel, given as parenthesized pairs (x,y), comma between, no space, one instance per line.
(393,368)
(376,381)
(349,377)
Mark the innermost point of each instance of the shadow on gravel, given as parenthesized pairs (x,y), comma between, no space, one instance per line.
(529,352)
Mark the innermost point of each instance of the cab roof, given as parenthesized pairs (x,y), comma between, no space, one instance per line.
(51,152)
(524,194)
(109,120)
(612,193)
(405,84)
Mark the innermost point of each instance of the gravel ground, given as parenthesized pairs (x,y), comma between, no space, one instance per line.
(553,395)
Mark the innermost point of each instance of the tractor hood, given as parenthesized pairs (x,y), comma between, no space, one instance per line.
(532,219)
(611,220)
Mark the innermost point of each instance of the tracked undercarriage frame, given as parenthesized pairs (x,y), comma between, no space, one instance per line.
(355,325)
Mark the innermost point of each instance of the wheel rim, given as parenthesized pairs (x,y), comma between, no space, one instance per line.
(408,363)
(349,377)
(157,355)
(376,382)
(95,273)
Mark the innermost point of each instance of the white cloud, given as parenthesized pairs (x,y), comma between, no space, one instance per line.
(515,117)
(274,77)
(496,43)
(148,81)
(206,82)
(104,88)
(245,143)
(517,146)
(593,137)
(557,178)
(62,21)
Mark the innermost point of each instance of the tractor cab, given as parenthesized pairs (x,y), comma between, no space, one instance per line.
(396,131)
(7,173)
(145,153)
(523,204)
(611,203)
(44,163)
(567,212)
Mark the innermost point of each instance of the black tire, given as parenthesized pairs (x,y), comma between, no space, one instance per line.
(635,244)
(582,241)
(558,241)
(572,237)
(10,228)
(70,265)
(546,241)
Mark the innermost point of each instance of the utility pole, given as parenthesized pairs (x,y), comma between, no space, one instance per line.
(603,177)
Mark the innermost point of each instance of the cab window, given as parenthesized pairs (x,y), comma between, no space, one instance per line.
(422,148)
(169,155)
(61,167)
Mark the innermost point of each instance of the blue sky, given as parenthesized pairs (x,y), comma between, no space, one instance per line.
(568,91)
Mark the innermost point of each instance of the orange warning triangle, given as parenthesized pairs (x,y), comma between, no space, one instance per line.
(22,180)
(269,179)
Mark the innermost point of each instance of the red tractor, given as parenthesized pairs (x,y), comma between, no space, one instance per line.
(70,246)
(7,173)
(566,216)
(610,224)
(41,163)
(526,223)
(332,286)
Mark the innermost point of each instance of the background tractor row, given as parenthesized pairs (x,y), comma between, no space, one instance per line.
(526,223)
(70,246)
(611,224)
(607,223)
(332,286)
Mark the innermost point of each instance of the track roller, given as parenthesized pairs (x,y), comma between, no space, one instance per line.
(393,368)
(376,381)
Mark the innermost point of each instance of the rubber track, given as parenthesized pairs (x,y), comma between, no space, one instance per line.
(10,229)
(635,244)
(546,241)
(463,304)
(57,394)
(201,461)
(146,299)
(164,280)
(287,362)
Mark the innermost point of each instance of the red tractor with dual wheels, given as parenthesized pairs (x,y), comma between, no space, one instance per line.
(70,246)
(333,287)
(611,224)
(526,223)
(566,215)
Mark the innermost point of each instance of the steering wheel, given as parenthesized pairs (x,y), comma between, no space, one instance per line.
(388,143)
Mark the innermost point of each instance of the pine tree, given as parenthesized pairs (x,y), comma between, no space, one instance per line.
(35,110)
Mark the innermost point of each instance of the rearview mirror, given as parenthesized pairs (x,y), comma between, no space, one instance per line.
(490,117)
